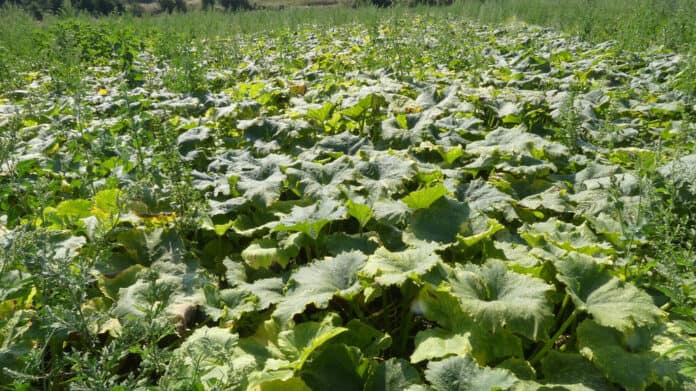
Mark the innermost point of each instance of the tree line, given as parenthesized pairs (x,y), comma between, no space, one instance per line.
(39,8)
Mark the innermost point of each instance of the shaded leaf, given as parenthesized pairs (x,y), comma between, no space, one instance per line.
(392,375)
(625,359)
(463,374)
(427,224)
(338,367)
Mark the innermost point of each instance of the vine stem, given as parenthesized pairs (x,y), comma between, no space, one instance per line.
(547,346)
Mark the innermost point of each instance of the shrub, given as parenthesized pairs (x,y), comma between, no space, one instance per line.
(235,5)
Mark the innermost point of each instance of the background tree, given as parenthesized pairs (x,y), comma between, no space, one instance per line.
(235,5)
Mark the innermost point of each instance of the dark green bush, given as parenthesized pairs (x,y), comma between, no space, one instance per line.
(235,5)
(99,7)
(170,6)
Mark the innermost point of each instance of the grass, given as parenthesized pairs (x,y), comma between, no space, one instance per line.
(282,4)
(638,24)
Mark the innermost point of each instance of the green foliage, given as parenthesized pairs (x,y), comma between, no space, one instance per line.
(462,373)
(170,6)
(423,198)
(102,7)
(496,297)
(418,202)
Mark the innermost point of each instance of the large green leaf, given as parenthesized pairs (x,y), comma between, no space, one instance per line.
(572,368)
(478,229)
(626,358)
(383,174)
(212,356)
(229,304)
(110,285)
(320,181)
(393,268)
(610,301)
(321,114)
(481,196)
(320,281)
(362,213)
(267,252)
(554,198)
(292,384)
(337,367)
(261,180)
(427,224)
(107,203)
(392,375)
(458,333)
(515,141)
(682,173)
(67,213)
(17,341)
(463,374)
(279,355)
(368,103)
(264,187)
(268,291)
(298,343)
(565,236)
(499,298)
(423,198)
(311,219)
(337,243)
(392,212)
(173,280)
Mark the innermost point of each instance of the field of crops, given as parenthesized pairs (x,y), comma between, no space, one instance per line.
(416,204)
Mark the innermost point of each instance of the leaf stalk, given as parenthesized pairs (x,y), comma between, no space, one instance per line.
(547,346)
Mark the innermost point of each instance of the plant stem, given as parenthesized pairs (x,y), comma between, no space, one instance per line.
(405,331)
(566,300)
(308,253)
(385,304)
(547,346)
(358,311)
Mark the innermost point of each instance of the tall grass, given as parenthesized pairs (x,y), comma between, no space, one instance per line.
(637,24)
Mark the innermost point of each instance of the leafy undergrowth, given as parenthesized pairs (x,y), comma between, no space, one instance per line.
(420,205)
